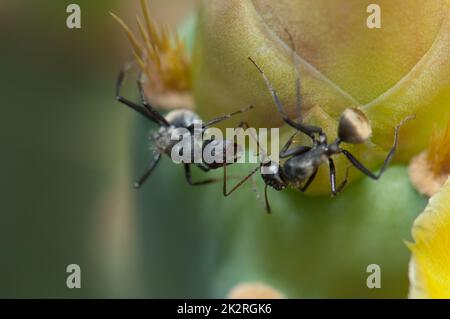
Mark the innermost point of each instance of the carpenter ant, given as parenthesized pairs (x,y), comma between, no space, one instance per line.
(176,119)
(302,162)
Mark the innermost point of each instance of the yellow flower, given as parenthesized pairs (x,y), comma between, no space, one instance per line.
(430,262)
(429,170)
(163,60)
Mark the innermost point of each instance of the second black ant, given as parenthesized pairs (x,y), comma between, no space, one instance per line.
(302,162)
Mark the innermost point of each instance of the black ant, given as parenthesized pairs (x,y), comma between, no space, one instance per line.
(302,164)
(180,118)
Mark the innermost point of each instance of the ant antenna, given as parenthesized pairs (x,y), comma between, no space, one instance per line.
(243,125)
(309,130)
(273,92)
(249,176)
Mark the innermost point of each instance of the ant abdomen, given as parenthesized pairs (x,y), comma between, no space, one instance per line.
(354,126)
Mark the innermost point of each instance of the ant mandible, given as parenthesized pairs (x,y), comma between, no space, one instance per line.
(179,118)
(302,162)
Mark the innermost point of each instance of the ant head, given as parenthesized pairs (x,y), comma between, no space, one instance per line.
(354,126)
(272,176)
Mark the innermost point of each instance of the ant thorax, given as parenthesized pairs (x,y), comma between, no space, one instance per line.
(299,168)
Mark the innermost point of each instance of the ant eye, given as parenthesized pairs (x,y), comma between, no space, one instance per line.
(354,126)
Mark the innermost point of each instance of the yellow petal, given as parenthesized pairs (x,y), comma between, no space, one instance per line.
(430,263)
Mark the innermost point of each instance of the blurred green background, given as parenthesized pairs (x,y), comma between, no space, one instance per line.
(65,185)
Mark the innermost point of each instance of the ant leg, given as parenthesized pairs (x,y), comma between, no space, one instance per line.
(227,193)
(288,143)
(138,108)
(285,152)
(244,125)
(227,116)
(387,160)
(298,101)
(149,171)
(309,130)
(309,181)
(295,151)
(141,91)
(150,109)
(266,200)
(344,182)
(297,96)
(297,79)
(361,167)
(336,190)
(187,173)
(332,176)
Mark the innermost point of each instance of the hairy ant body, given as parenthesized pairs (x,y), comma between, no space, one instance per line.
(302,162)
(176,119)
